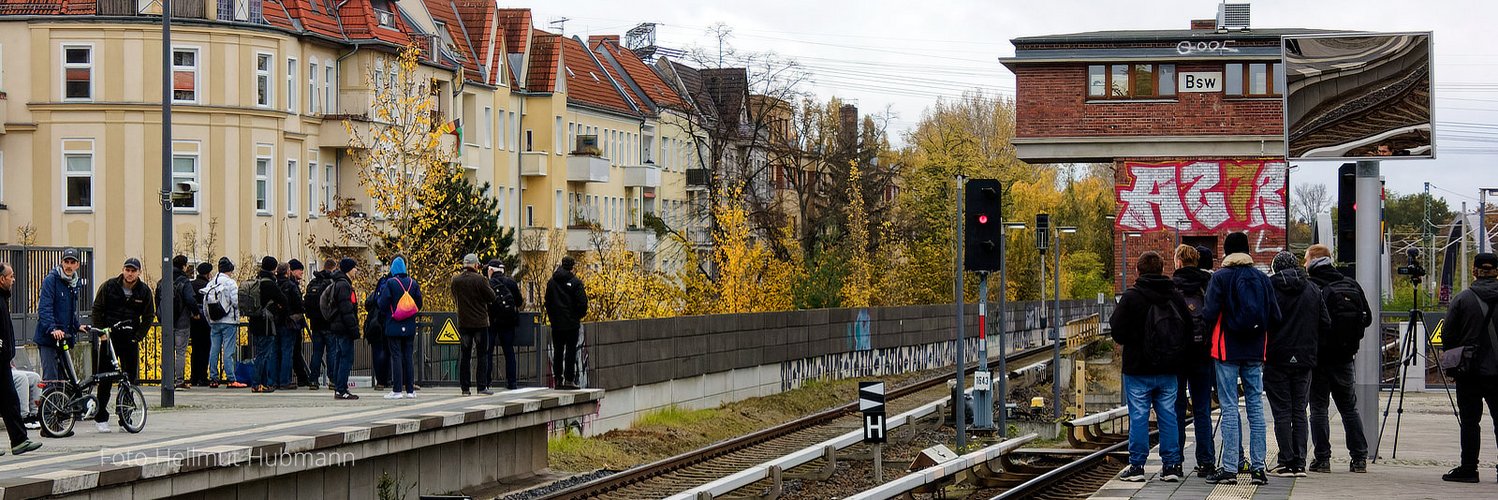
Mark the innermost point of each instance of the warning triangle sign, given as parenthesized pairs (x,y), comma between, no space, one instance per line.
(448,334)
(1435,338)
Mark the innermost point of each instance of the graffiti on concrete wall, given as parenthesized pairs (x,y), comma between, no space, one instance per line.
(1202,195)
(860,334)
(874,362)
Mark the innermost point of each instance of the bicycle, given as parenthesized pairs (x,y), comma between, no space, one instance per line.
(72,400)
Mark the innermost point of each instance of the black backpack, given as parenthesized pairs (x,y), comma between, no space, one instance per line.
(312,299)
(1165,334)
(1198,325)
(503,311)
(1346,306)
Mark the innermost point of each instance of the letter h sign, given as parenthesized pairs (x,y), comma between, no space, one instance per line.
(871,403)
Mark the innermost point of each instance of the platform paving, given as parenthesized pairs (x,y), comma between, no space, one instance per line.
(205,420)
(1428,447)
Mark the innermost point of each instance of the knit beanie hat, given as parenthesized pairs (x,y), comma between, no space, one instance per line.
(347,265)
(1235,243)
(204,268)
(294,265)
(225,265)
(269,263)
(1285,260)
(1205,262)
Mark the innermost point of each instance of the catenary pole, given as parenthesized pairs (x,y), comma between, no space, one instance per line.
(168,335)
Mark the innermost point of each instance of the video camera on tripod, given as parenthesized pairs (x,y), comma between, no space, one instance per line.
(1412,267)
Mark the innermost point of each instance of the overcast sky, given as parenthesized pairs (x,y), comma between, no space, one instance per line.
(903,55)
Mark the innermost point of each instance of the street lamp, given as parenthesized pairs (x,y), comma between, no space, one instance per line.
(1055,317)
(1003,421)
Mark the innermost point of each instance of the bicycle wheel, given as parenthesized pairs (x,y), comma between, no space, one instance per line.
(56,413)
(130,406)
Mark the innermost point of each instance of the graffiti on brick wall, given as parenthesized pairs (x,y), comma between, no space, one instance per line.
(1203,195)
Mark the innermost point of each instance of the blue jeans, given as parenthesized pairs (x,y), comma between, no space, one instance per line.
(1198,382)
(1252,374)
(401,375)
(341,354)
(286,340)
(224,347)
(267,359)
(1158,392)
(321,356)
(51,361)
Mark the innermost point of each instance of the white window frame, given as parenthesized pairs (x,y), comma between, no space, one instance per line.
(557,131)
(87,153)
(291,85)
(503,127)
(263,75)
(197,75)
(312,160)
(330,183)
(63,57)
(291,182)
(262,184)
(312,100)
(379,75)
(329,93)
(197,172)
(487,127)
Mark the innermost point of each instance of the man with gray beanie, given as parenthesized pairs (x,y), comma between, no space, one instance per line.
(566,306)
(472,296)
(1241,310)
(1290,357)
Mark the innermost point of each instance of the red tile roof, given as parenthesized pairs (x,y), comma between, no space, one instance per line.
(482,22)
(516,24)
(614,76)
(546,54)
(588,84)
(443,11)
(647,79)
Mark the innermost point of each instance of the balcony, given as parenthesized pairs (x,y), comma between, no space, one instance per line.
(535,239)
(533,163)
(642,176)
(583,168)
(332,133)
(584,239)
(641,240)
(697,178)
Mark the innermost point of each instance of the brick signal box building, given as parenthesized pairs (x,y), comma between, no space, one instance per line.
(1190,119)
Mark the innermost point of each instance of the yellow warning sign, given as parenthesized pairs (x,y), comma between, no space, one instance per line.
(448,334)
(1435,338)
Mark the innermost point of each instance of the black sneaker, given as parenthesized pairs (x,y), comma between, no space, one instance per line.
(1134,474)
(1171,474)
(1321,466)
(1223,476)
(1257,477)
(1358,466)
(1243,467)
(1300,471)
(1282,470)
(1462,475)
(1204,470)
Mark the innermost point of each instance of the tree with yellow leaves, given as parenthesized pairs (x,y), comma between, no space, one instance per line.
(859,282)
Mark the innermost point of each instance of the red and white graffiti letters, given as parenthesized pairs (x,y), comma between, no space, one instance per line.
(1203,195)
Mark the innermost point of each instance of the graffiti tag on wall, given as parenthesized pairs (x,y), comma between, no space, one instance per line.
(1206,195)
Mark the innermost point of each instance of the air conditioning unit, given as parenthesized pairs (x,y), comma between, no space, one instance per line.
(1232,16)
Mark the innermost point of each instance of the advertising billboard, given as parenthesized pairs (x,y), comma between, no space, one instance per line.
(1358,95)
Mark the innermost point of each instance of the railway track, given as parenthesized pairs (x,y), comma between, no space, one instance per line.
(689,470)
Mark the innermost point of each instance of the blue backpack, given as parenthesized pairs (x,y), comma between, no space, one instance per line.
(1244,310)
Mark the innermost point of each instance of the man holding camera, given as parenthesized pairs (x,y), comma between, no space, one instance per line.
(1470,323)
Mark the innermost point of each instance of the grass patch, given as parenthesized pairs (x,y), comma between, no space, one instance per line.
(573,452)
(673,416)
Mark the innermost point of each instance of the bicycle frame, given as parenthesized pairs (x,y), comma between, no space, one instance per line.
(78,390)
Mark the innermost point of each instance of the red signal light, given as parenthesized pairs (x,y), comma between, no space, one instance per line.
(982,218)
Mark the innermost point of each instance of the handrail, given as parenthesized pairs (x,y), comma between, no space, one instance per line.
(1098,418)
(943,470)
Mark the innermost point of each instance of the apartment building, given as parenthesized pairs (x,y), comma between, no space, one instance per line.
(261,91)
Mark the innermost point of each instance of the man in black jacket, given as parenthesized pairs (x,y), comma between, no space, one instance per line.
(1332,378)
(178,288)
(343,321)
(1149,368)
(264,330)
(1289,358)
(503,317)
(10,404)
(472,296)
(124,298)
(1469,323)
(566,306)
(289,339)
(201,338)
(322,353)
(1197,378)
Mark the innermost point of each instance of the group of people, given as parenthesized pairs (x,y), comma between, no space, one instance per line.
(1291,335)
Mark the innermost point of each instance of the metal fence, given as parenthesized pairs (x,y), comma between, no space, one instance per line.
(31,267)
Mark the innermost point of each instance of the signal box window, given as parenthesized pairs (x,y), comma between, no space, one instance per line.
(1131,81)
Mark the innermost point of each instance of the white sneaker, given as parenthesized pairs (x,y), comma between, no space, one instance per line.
(393,395)
(103,427)
(33,425)
(410,395)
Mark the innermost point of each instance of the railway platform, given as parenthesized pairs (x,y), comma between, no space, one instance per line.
(1428,447)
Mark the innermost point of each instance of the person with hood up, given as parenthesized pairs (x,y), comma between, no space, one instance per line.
(1332,379)
(1240,309)
(399,333)
(1151,323)
(57,312)
(1198,377)
(1291,356)
(343,318)
(1469,323)
(566,306)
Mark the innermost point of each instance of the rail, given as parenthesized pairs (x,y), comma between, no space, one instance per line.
(975,463)
(1081,331)
(1087,432)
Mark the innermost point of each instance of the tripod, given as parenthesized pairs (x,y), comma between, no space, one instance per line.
(1409,355)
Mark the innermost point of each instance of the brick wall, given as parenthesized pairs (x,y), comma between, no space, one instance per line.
(1052,102)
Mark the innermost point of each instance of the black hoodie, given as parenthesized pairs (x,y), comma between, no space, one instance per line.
(1128,324)
(566,300)
(1294,343)
(1465,326)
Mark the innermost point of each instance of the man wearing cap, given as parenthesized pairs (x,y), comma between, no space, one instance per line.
(1469,324)
(57,312)
(504,315)
(289,342)
(178,288)
(566,306)
(123,299)
(472,295)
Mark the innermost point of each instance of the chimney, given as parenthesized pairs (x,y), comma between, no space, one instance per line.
(1203,24)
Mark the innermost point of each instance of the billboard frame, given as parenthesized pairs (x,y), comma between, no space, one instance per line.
(1285,96)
